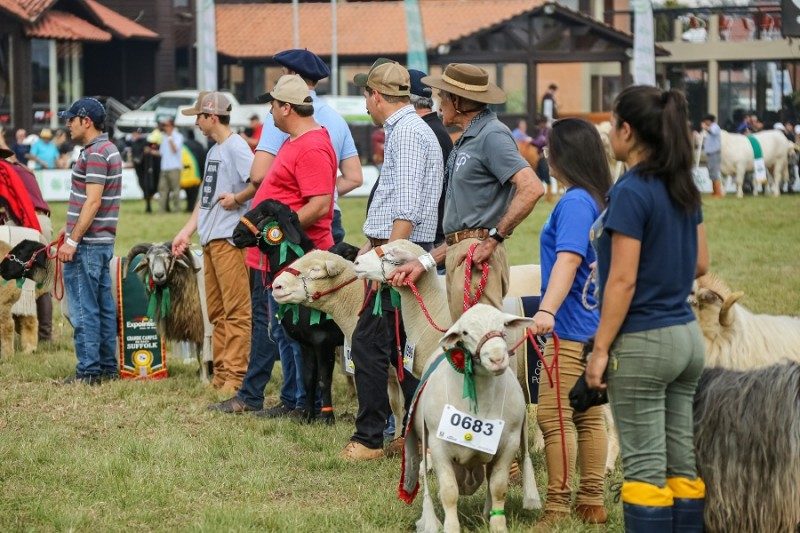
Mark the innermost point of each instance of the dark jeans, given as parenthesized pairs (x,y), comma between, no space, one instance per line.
(336,227)
(87,280)
(373,350)
(268,342)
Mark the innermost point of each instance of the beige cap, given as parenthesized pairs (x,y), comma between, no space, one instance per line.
(290,89)
(389,78)
(46,134)
(214,103)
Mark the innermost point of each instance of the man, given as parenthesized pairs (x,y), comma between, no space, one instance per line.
(422,100)
(712,146)
(171,152)
(253,134)
(311,69)
(44,152)
(402,206)
(19,147)
(302,176)
(226,172)
(520,133)
(491,188)
(91,229)
(549,104)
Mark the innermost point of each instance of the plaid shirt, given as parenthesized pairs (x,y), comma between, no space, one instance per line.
(410,181)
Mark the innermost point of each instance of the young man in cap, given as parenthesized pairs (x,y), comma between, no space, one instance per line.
(227,170)
(311,69)
(402,205)
(88,247)
(171,152)
(422,100)
(302,176)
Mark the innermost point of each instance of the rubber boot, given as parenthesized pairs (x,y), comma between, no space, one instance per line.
(689,503)
(647,508)
(719,192)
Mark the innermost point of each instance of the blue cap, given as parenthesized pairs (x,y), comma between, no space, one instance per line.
(417,87)
(307,64)
(85,107)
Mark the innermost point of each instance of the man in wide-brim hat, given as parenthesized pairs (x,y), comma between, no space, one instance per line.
(491,188)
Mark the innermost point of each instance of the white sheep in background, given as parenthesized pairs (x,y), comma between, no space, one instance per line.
(736,338)
(480,333)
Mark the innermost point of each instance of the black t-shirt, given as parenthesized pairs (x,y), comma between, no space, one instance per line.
(446,143)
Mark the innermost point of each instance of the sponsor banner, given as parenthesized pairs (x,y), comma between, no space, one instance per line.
(55,184)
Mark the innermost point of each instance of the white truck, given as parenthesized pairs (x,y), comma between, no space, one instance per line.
(168,103)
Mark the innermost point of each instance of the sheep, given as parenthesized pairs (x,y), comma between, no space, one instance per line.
(736,338)
(475,350)
(27,260)
(319,280)
(182,279)
(275,229)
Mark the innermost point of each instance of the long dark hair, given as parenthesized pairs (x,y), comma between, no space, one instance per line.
(660,120)
(576,150)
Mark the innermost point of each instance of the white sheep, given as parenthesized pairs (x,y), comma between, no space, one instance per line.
(447,422)
(736,338)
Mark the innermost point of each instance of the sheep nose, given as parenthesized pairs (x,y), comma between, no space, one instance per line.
(276,286)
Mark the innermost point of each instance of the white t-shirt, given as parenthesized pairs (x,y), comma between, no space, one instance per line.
(227,170)
(171,160)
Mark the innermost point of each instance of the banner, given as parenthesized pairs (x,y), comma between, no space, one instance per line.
(790,18)
(142,352)
(417,57)
(644,55)
(55,184)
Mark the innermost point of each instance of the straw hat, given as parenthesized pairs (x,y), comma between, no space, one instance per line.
(468,81)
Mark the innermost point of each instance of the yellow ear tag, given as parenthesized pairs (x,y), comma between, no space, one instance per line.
(274,235)
(467,437)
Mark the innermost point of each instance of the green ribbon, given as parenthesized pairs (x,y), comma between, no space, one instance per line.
(377,307)
(284,243)
(469,390)
(20,282)
(159,297)
(757,152)
(314,319)
(497,512)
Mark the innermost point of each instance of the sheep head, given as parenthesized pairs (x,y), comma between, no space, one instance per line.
(17,263)
(470,331)
(395,253)
(159,262)
(318,271)
(267,226)
(712,303)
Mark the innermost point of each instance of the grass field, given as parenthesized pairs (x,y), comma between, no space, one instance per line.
(148,456)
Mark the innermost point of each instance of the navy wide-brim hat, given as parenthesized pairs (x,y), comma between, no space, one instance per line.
(307,64)
(417,87)
(85,107)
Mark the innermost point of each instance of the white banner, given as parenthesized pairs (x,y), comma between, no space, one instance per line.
(55,184)
(644,55)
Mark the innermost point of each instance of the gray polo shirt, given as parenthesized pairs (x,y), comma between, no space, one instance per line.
(479,168)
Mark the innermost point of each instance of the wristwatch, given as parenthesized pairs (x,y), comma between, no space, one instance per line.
(494,234)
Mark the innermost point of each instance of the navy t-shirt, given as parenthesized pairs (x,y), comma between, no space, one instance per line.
(567,230)
(641,208)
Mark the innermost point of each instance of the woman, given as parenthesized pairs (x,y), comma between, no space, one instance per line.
(578,162)
(650,246)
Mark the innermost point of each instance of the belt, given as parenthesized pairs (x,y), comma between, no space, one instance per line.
(377,242)
(458,236)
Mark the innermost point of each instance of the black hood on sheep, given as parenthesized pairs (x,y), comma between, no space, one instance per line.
(250,231)
(15,264)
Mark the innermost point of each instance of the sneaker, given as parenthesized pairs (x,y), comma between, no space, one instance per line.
(276,411)
(355,451)
(86,380)
(231,405)
(395,447)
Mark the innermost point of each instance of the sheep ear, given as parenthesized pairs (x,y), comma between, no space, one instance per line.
(726,313)
(514,321)
(182,262)
(334,268)
(289,224)
(708,296)
(141,266)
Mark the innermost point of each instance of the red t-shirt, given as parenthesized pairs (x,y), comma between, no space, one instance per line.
(304,167)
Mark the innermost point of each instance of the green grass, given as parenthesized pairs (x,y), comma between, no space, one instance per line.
(147,456)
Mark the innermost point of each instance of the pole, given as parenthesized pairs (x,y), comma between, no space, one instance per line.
(53,60)
(206,33)
(334,51)
(295,24)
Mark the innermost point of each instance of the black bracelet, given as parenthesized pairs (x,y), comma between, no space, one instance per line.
(546,311)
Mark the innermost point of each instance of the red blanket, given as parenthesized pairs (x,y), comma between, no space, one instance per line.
(16,199)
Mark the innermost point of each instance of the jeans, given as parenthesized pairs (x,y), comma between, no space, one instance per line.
(652,377)
(263,348)
(93,314)
(336,227)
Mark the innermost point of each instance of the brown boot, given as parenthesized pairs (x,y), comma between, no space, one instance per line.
(395,447)
(549,520)
(718,192)
(592,514)
(355,451)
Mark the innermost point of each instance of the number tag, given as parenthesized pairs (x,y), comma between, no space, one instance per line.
(760,170)
(347,359)
(408,357)
(467,430)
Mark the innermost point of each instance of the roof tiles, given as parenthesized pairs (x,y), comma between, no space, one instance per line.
(65,27)
(119,25)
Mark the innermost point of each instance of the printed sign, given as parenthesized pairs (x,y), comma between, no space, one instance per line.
(348,365)
(470,431)
(408,357)
(760,171)
(209,185)
(142,352)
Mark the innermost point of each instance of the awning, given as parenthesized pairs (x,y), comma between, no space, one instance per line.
(122,27)
(63,26)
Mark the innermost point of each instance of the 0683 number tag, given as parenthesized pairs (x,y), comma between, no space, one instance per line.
(468,430)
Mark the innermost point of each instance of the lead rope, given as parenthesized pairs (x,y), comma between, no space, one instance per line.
(469,299)
(58,275)
(421,302)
